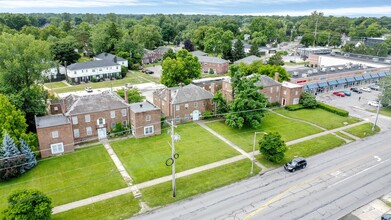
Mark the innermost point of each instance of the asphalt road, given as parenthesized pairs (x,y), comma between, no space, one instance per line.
(333,184)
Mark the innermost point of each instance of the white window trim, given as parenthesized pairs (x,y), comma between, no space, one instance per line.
(112,114)
(146,130)
(87,117)
(54,134)
(195,104)
(123,111)
(78,133)
(148,118)
(177,107)
(89,131)
(186,106)
(75,121)
(57,148)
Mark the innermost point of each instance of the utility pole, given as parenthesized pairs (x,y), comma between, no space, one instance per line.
(173,157)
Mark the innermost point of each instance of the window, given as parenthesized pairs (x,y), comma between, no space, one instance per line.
(54,134)
(271,89)
(187,117)
(112,114)
(89,130)
(55,108)
(177,107)
(74,120)
(87,118)
(195,104)
(148,118)
(125,123)
(148,130)
(296,101)
(284,92)
(112,125)
(123,111)
(296,92)
(203,103)
(57,148)
(76,133)
(101,122)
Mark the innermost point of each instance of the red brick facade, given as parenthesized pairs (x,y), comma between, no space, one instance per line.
(146,122)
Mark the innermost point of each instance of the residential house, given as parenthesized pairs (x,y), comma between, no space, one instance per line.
(152,56)
(145,119)
(290,93)
(248,60)
(215,64)
(108,56)
(82,118)
(270,88)
(184,103)
(211,85)
(198,53)
(246,45)
(87,71)
(54,74)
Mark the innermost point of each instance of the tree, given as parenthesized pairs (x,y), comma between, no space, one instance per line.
(221,103)
(246,110)
(31,160)
(28,204)
(21,73)
(64,50)
(12,120)
(134,95)
(170,53)
(270,71)
(275,60)
(308,39)
(385,97)
(149,36)
(308,100)
(254,49)
(12,162)
(272,147)
(188,45)
(183,69)
(105,36)
(238,50)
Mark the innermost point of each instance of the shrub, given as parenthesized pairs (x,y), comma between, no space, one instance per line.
(207,114)
(333,109)
(294,107)
(308,100)
(93,79)
(273,104)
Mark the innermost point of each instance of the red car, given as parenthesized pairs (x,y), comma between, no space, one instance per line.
(342,94)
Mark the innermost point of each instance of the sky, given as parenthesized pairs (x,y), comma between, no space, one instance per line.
(349,8)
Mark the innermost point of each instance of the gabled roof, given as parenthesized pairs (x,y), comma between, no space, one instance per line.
(207,59)
(188,93)
(96,103)
(199,53)
(266,81)
(92,64)
(248,60)
(109,56)
(51,120)
(142,107)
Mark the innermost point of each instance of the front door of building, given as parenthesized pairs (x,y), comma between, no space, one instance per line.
(196,115)
(102,133)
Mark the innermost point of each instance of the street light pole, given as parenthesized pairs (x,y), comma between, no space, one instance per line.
(173,158)
(378,106)
(255,140)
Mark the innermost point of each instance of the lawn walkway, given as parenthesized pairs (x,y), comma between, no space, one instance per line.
(296,119)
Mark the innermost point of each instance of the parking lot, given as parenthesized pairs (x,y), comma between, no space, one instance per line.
(157,71)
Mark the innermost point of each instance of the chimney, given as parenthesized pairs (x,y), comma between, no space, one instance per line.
(141,105)
(276,76)
(115,59)
(126,95)
(105,54)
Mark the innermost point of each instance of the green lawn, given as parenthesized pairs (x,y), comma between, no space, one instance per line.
(71,177)
(55,85)
(188,186)
(134,78)
(244,138)
(363,130)
(119,207)
(385,111)
(145,158)
(319,117)
(146,76)
(344,136)
(306,148)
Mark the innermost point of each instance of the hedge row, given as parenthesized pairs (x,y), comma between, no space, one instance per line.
(294,107)
(333,109)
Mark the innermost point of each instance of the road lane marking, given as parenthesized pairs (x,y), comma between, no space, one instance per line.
(362,171)
(377,158)
(278,196)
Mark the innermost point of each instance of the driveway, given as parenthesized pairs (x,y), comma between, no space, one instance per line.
(157,70)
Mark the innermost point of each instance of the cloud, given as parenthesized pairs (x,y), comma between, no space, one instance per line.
(354,11)
(236,2)
(71,3)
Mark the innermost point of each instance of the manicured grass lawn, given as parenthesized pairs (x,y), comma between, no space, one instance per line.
(363,130)
(74,176)
(55,85)
(384,111)
(146,76)
(319,117)
(145,158)
(188,186)
(306,149)
(133,78)
(244,138)
(344,136)
(119,207)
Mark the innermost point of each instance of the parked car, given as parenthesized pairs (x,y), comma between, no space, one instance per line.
(340,68)
(354,89)
(374,87)
(386,216)
(339,93)
(295,164)
(88,89)
(365,89)
(149,72)
(347,93)
(374,103)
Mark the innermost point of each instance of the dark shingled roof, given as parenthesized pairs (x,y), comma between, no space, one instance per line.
(96,103)
(266,81)
(188,93)
(109,56)
(248,60)
(142,107)
(51,120)
(199,53)
(92,64)
(207,59)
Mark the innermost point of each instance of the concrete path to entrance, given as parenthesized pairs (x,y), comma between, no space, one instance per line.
(234,146)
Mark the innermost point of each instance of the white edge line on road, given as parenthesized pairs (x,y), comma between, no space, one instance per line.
(357,173)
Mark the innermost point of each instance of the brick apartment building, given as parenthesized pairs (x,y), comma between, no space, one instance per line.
(216,64)
(145,119)
(184,103)
(81,118)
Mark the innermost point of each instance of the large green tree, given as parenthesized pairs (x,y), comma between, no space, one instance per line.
(272,147)
(246,109)
(149,36)
(23,60)
(238,50)
(385,97)
(183,69)
(28,204)
(64,50)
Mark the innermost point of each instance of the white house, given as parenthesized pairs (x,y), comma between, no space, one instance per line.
(100,69)
(108,56)
(54,74)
